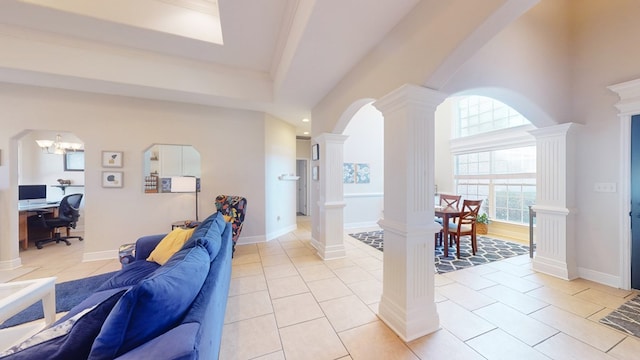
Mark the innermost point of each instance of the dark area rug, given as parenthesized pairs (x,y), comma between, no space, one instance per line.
(68,295)
(626,318)
(489,249)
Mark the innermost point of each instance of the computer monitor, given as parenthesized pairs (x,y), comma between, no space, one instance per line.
(33,193)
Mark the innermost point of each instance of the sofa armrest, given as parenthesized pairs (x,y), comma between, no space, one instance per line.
(140,250)
(146,244)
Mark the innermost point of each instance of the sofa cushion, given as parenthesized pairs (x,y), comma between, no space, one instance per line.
(69,339)
(130,275)
(94,299)
(154,305)
(208,234)
(170,245)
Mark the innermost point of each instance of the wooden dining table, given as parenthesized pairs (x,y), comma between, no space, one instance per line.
(446,213)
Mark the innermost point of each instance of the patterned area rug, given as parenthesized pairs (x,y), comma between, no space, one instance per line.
(489,250)
(626,318)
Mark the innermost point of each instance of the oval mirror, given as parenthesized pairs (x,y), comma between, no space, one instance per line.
(164,161)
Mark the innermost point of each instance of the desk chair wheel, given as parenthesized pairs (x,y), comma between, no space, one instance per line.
(57,239)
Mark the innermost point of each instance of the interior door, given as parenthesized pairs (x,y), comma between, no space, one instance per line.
(635,202)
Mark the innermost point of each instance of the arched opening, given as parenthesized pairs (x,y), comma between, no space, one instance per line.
(484,151)
(363,175)
(492,159)
(409,186)
(50,166)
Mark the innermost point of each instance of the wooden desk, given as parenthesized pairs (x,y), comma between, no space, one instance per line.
(446,213)
(23,214)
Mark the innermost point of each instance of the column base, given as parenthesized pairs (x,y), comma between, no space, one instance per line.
(409,325)
(10,264)
(329,252)
(554,268)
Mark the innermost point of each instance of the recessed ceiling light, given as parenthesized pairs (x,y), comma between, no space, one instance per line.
(305,120)
(305,133)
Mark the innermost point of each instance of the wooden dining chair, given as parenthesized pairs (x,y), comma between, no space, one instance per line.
(447,200)
(466,225)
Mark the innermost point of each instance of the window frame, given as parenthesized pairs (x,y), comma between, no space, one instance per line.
(500,139)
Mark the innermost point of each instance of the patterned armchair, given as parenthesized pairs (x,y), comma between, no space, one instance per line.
(233,208)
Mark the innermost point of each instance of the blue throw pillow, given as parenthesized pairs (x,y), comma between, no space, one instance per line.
(68,340)
(135,272)
(154,305)
(208,234)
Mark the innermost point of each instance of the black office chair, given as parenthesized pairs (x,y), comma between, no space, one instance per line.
(68,214)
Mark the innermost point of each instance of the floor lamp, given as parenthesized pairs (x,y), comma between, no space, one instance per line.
(185,184)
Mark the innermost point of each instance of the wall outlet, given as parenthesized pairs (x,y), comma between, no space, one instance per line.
(604,187)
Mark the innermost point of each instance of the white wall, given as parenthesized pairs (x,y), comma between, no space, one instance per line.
(553,65)
(414,50)
(231,143)
(365,144)
(604,56)
(303,149)
(443,158)
(280,195)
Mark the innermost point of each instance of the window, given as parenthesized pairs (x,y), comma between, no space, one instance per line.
(478,114)
(501,170)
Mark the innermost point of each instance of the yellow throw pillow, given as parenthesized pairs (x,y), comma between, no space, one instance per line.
(169,245)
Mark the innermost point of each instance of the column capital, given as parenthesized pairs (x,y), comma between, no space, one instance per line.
(409,94)
(555,130)
(325,138)
(629,93)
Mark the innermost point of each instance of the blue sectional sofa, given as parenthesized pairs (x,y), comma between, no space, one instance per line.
(148,311)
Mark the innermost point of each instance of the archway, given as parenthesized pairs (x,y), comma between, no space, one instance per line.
(50,166)
(363,183)
(408,290)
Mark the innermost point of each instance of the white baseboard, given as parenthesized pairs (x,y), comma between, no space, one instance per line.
(244,240)
(599,277)
(281,232)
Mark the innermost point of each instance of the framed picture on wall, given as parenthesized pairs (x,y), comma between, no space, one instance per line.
(112,159)
(112,179)
(315,152)
(349,173)
(315,173)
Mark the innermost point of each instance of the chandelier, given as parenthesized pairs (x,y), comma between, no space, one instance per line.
(57,146)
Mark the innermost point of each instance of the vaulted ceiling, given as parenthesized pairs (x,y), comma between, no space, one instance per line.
(277,56)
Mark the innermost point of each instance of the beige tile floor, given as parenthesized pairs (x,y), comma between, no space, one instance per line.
(59,260)
(285,303)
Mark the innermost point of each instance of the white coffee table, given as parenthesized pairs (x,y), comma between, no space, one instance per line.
(19,295)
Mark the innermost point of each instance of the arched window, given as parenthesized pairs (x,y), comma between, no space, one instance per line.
(494,157)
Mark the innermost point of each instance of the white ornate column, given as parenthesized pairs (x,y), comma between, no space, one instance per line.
(407,305)
(555,201)
(328,238)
